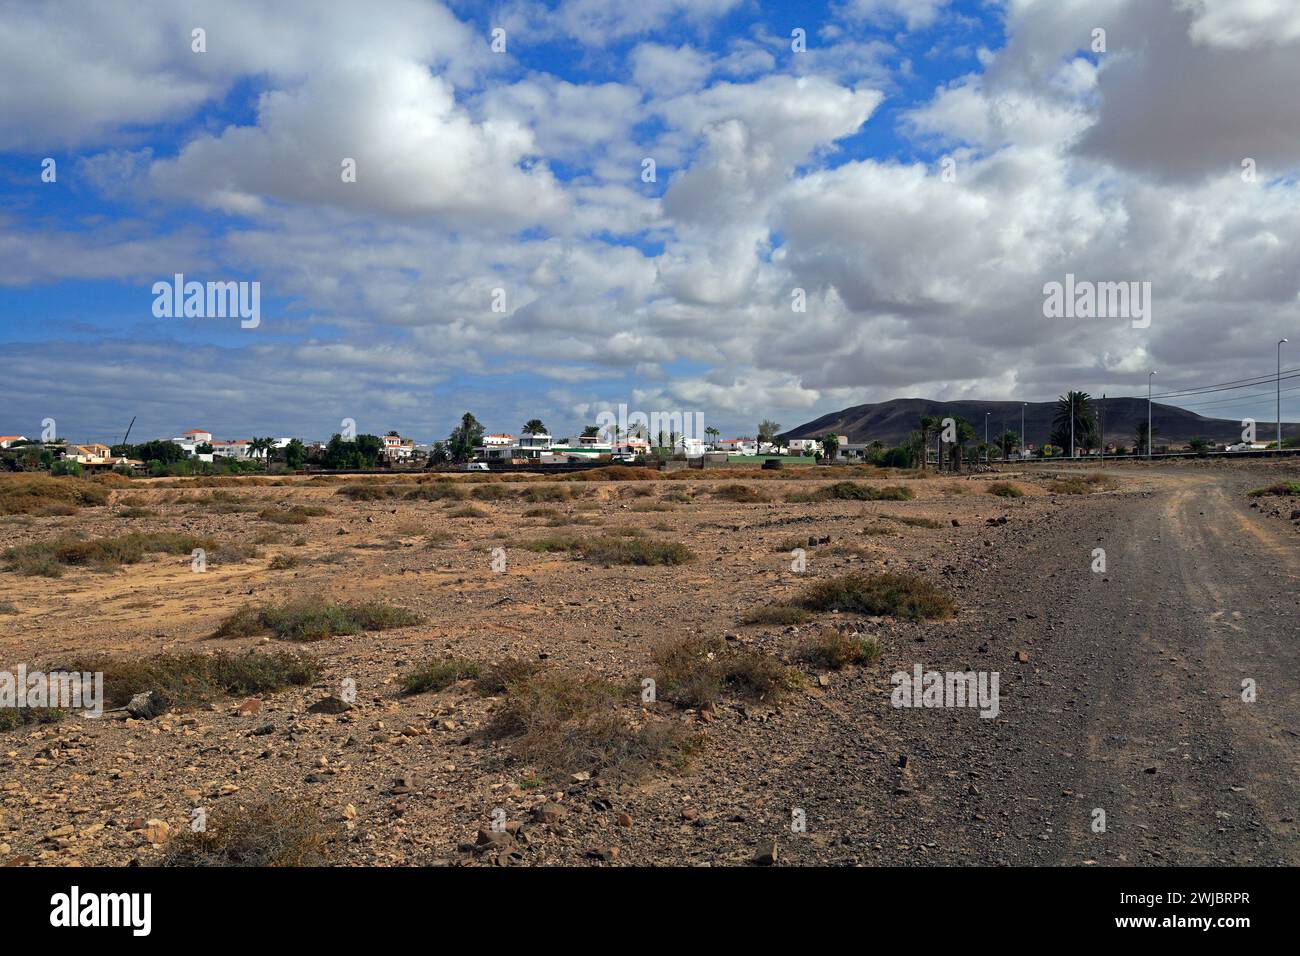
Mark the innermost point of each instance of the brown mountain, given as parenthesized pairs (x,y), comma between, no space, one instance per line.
(891,421)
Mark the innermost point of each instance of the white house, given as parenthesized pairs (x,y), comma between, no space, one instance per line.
(804,446)
(7,440)
(238,448)
(498,440)
(397,448)
(738,446)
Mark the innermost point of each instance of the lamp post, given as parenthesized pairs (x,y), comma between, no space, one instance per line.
(988,457)
(1072,425)
(1149,376)
(1023,405)
(1279,396)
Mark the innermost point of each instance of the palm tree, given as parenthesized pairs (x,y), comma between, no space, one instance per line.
(1007,441)
(1078,405)
(1141,437)
(259,445)
(534,427)
(830,446)
(928,424)
(965,432)
(713,434)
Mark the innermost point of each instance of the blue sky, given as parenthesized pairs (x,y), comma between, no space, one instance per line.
(521,171)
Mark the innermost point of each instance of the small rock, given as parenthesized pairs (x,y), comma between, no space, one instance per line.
(249,707)
(330,705)
(766,857)
(146,706)
(548,813)
(623,819)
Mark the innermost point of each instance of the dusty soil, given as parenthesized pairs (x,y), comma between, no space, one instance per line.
(1120,690)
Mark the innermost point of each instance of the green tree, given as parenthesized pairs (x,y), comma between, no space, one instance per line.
(261,446)
(464,438)
(767,432)
(534,427)
(439,455)
(963,432)
(713,434)
(1078,404)
(1007,441)
(830,446)
(1140,438)
(591,431)
(295,453)
(928,425)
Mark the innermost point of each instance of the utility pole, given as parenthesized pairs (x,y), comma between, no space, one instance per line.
(1149,376)
(1279,397)
(1023,405)
(1072,425)
(986,437)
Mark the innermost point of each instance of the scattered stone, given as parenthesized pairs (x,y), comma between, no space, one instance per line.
(146,706)
(249,707)
(330,705)
(549,813)
(767,856)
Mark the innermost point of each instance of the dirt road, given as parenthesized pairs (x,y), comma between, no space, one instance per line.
(1132,700)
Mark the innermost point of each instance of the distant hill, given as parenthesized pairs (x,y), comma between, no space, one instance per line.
(891,421)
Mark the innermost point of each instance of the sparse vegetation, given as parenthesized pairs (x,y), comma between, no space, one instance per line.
(563,721)
(741,494)
(314,619)
(1005,489)
(185,679)
(296,514)
(852,491)
(612,549)
(900,595)
(29,494)
(48,558)
(1281,489)
(779,614)
(836,651)
(274,832)
(438,675)
(500,677)
(698,672)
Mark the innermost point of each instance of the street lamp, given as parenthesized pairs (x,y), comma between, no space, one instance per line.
(1072,425)
(988,457)
(1279,396)
(1149,413)
(1023,406)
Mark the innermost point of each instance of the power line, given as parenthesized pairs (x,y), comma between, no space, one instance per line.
(1229,386)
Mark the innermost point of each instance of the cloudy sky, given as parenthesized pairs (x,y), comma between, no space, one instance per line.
(919,169)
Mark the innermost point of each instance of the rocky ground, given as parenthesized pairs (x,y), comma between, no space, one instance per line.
(1120,690)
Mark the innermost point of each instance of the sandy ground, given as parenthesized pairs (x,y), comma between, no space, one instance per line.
(1101,680)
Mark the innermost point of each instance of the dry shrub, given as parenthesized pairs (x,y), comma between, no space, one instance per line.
(741,494)
(272,832)
(900,595)
(438,675)
(565,721)
(29,494)
(314,619)
(697,672)
(187,678)
(835,650)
